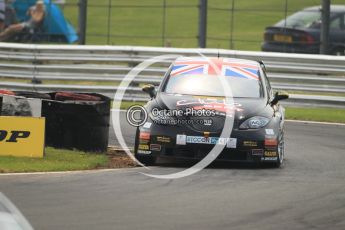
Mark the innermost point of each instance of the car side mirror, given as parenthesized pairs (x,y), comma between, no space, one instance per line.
(278,96)
(150,90)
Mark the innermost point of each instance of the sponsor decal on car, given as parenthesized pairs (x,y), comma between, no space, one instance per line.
(270,154)
(144,136)
(144,142)
(147,125)
(163,139)
(206,140)
(207,122)
(250,143)
(225,67)
(143,147)
(257,152)
(155,147)
(181,139)
(213,104)
(269,158)
(229,142)
(269,131)
(144,151)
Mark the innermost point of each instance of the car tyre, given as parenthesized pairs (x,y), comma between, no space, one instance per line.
(281,152)
(67,96)
(29,94)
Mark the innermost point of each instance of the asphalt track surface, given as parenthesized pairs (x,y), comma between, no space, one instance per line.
(307,193)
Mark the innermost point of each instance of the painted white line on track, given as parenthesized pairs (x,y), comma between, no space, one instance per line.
(316,122)
(121,110)
(70,172)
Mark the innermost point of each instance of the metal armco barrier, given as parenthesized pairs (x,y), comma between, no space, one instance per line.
(309,77)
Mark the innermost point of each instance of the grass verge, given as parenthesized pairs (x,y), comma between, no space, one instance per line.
(316,114)
(126,104)
(130,22)
(54,160)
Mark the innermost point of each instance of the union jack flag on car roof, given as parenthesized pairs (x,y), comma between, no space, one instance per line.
(216,66)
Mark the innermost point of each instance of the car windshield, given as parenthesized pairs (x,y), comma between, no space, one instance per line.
(302,19)
(208,85)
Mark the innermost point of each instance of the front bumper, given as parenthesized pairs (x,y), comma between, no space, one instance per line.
(250,146)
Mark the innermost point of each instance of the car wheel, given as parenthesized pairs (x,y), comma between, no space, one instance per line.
(136,141)
(281,152)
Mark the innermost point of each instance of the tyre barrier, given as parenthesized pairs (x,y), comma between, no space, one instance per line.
(73,121)
(65,96)
(6,92)
(12,105)
(28,94)
(79,124)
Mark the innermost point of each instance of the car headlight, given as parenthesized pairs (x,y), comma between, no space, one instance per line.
(255,122)
(162,118)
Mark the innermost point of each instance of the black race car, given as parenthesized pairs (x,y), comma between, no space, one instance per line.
(186,114)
